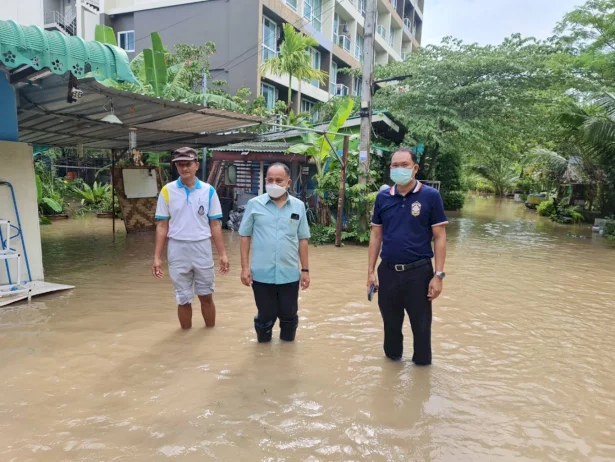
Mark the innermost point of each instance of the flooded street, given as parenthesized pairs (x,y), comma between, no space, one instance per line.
(524,357)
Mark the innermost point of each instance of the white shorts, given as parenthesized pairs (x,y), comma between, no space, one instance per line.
(191,267)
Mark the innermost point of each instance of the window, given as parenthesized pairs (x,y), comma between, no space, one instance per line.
(270,39)
(392,37)
(315,61)
(312,11)
(358,83)
(336,27)
(361,6)
(358,49)
(309,106)
(333,78)
(126,40)
(269,92)
(291,3)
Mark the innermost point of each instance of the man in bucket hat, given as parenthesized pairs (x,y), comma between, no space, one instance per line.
(190,216)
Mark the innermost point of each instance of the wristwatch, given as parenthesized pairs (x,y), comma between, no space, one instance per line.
(441,274)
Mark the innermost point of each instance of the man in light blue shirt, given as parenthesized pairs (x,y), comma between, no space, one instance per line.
(275,229)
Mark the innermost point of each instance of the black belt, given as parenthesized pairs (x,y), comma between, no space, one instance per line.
(401,267)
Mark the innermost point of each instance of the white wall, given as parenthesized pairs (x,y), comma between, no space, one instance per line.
(89,21)
(25,12)
(17,167)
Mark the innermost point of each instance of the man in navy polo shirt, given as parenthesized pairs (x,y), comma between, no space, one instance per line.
(407,217)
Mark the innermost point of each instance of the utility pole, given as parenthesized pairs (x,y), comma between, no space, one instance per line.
(366,89)
(340,200)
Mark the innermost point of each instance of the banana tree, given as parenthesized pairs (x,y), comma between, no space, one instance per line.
(46,202)
(319,148)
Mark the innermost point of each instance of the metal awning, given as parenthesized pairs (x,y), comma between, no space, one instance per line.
(257,152)
(45,117)
(31,49)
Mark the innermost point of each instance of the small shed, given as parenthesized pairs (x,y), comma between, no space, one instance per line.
(238,170)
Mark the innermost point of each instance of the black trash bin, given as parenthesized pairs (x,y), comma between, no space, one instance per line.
(227,205)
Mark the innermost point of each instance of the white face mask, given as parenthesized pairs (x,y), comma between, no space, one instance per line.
(275,191)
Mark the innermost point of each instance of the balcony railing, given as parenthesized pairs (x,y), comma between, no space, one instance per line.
(268,53)
(345,43)
(340,90)
(391,39)
(382,31)
(408,25)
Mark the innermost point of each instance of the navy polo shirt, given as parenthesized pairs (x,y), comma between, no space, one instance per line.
(407,223)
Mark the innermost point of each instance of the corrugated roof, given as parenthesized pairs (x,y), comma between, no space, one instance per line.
(45,117)
(255,147)
(40,49)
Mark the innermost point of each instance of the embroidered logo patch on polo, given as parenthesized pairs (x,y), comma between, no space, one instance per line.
(416,209)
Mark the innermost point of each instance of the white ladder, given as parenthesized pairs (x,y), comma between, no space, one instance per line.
(6,253)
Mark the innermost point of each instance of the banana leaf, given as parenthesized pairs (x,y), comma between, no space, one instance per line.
(105,34)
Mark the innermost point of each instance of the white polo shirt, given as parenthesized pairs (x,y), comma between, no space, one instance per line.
(188,210)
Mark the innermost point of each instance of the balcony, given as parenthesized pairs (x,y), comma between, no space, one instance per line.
(268,53)
(345,43)
(382,32)
(338,89)
(408,25)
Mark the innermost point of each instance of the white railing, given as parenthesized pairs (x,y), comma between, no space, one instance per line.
(391,38)
(408,24)
(382,31)
(55,17)
(345,43)
(341,90)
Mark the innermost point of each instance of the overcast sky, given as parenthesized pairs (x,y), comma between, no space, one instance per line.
(490,21)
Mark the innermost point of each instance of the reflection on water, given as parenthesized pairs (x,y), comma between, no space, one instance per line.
(523,357)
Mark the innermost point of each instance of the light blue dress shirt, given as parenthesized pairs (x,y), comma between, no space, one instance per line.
(275,238)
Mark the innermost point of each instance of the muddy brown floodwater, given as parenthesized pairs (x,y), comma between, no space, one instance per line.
(524,357)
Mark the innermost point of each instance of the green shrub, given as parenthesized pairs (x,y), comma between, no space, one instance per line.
(453,200)
(322,235)
(546,209)
(609,230)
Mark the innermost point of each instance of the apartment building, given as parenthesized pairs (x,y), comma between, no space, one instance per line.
(249,32)
(70,17)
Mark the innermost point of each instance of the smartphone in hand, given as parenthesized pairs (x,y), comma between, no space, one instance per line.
(370,292)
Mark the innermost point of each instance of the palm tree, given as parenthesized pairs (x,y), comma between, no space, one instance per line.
(294,60)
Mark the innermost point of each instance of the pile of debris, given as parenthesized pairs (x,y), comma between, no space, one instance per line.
(235,217)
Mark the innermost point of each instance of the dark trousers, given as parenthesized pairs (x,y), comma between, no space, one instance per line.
(276,301)
(401,291)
